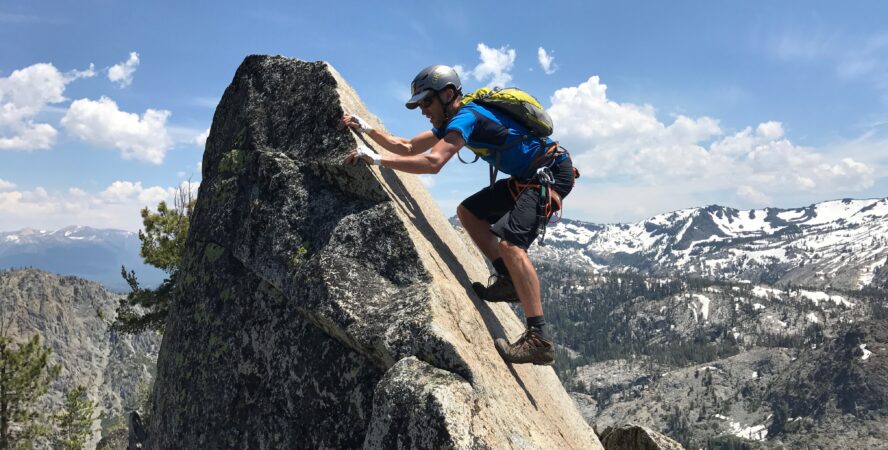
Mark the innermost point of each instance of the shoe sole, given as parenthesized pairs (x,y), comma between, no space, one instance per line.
(481,292)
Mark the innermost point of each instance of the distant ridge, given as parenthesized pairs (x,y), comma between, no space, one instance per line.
(838,243)
(91,253)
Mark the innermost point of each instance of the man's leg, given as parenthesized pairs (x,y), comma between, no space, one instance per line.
(479,231)
(527,283)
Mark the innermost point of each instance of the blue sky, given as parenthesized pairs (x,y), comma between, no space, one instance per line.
(664,105)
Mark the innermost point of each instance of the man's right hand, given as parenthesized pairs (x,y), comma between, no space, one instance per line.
(355,123)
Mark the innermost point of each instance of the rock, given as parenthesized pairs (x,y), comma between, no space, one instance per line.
(837,395)
(70,315)
(636,437)
(331,306)
(137,433)
(117,439)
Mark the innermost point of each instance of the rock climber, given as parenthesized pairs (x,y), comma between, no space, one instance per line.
(503,219)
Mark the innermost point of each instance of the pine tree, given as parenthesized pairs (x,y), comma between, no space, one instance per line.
(76,421)
(163,242)
(25,375)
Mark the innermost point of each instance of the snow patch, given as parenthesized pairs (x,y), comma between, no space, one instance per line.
(817,297)
(764,292)
(12,238)
(700,306)
(758,306)
(812,317)
(866,353)
(754,433)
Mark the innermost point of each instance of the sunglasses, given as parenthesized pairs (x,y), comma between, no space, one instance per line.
(426,102)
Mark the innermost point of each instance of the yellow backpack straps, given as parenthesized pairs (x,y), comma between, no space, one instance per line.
(518,104)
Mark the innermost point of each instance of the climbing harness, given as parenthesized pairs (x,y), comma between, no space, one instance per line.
(549,205)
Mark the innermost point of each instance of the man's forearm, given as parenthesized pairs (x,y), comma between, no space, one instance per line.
(418,164)
(394,144)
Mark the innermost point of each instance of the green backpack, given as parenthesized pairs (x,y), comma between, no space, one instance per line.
(518,104)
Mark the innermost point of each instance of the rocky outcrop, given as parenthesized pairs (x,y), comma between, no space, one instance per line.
(636,437)
(837,395)
(67,312)
(330,306)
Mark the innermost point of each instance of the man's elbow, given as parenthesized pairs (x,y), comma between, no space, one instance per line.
(435,165)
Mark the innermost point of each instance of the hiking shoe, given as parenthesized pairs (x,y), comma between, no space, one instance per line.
(500,289)
(531,347)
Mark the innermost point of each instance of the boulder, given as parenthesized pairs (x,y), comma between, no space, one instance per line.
(330,306)
(636,437)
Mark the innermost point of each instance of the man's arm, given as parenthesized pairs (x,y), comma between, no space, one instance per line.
(401,146)
(395,144)
(430,162)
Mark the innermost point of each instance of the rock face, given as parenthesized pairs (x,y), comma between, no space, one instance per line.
(64,311)
(328,306)
(836,396)
(637,437)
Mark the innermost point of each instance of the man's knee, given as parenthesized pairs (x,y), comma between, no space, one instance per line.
(465,215)
(507,247)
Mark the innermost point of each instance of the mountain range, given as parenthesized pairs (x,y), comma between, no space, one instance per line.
(94,254)
(840,244)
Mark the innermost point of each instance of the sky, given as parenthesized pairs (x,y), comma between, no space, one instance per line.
(105,106)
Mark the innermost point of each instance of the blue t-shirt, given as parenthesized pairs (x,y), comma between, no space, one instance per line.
(488,130)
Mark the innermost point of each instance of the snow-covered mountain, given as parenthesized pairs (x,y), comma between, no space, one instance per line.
(94,254)
(840,244)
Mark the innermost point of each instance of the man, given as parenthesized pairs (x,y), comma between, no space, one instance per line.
(502,226)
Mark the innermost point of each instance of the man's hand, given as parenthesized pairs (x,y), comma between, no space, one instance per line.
(355,123)
(365,154)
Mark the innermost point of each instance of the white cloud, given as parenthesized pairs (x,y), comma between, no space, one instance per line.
(427,180)
(102,123)
(201,139)
(624,144)
(851,57)
(117,206)
(6,185)
(753,196)
(495,66)
(546,61)
(23,95)
(122,73)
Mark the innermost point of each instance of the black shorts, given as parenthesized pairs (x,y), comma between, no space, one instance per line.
(516,220)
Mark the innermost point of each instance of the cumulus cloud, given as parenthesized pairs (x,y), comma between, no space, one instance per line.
(495,66)
(201,139)
(628,142)
(427,180)
(546,61)
(101,123)
(122,73)
(116,206)
(6,185)
(23,95)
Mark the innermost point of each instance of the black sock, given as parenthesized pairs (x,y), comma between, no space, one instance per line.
(537,322)
(500,267)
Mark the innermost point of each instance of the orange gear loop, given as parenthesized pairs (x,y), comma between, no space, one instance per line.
(553,203)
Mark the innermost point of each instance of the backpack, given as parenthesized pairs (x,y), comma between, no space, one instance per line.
(519,105)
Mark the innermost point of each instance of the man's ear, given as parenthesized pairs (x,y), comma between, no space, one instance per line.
(452,92)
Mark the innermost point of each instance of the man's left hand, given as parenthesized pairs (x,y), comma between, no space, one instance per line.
(365,154)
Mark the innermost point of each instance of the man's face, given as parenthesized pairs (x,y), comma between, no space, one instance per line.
(432,108)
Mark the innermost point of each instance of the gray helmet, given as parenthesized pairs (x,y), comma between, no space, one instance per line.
(430,80)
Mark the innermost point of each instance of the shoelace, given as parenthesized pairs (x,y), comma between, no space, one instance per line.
(491,280)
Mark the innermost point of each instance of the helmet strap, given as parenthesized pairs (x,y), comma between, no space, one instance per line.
(447,105)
